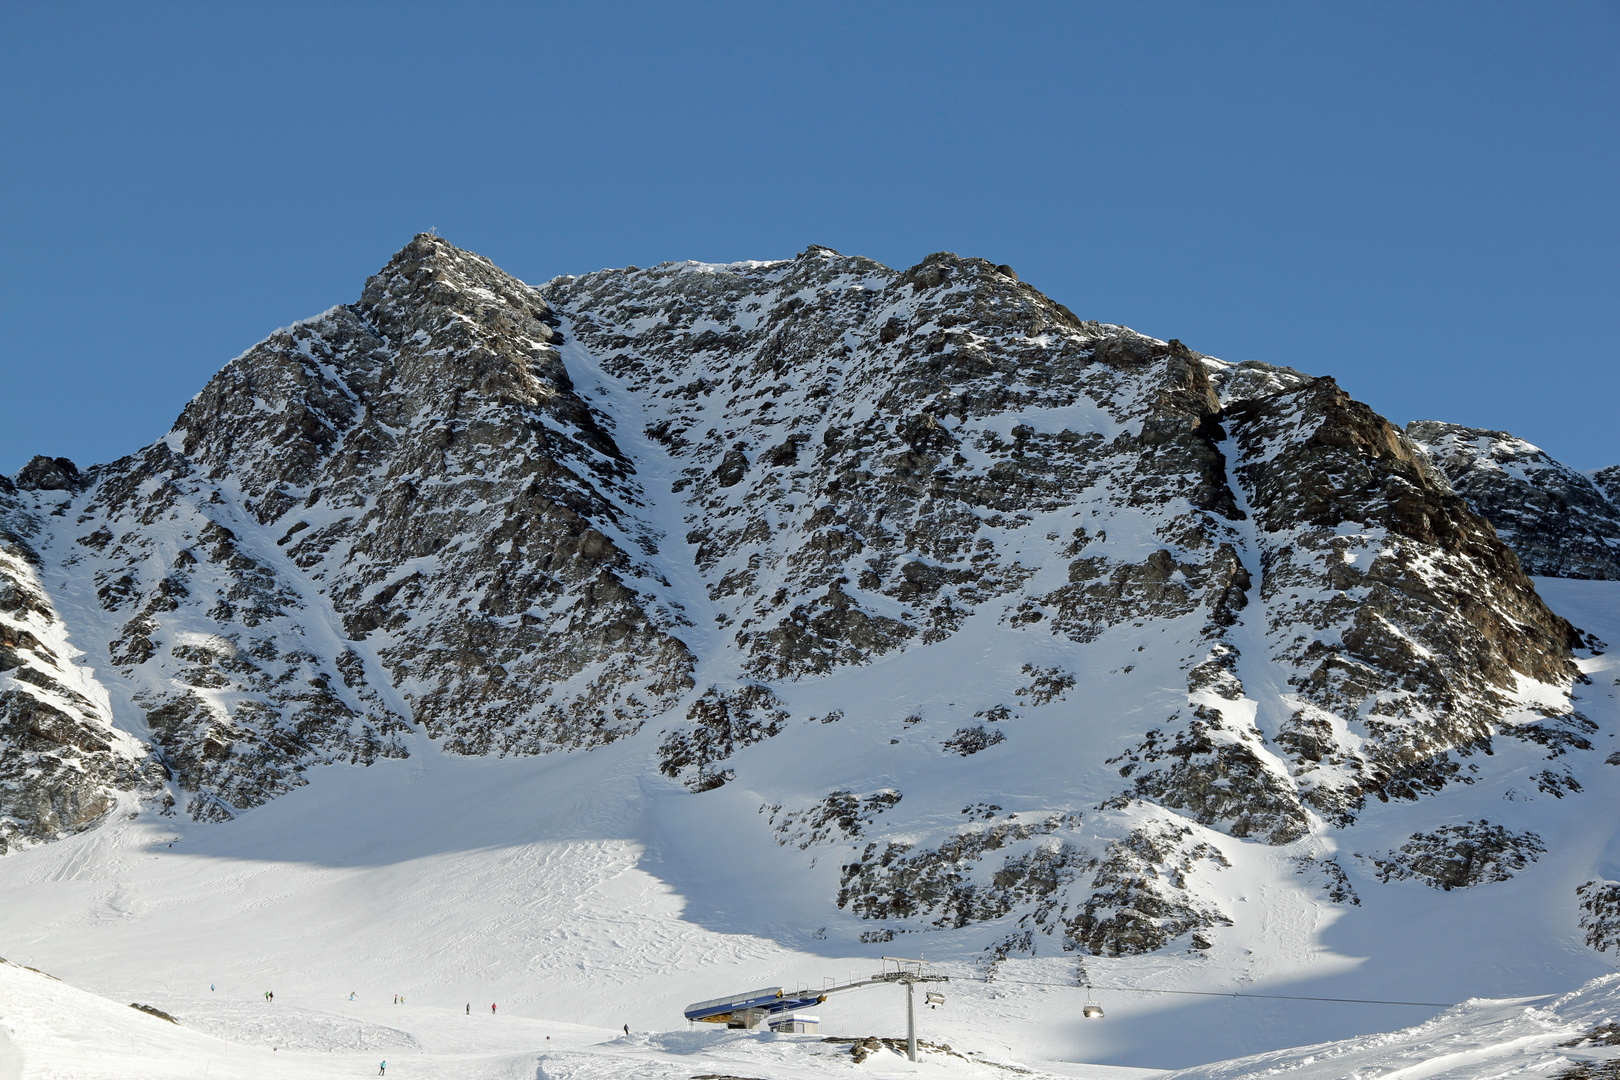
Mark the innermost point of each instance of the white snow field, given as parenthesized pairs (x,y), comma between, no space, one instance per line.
(580,892)
(1476,1040)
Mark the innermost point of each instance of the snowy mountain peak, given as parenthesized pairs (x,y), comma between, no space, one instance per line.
(841,548)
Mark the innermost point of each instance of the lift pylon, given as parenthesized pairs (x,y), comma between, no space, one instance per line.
(909,972)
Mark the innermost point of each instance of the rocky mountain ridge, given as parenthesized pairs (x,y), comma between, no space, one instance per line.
(1560,523)
(789,508)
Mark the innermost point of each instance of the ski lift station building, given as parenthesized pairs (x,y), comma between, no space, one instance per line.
(796,1024)
(776,1006)
(771,1006)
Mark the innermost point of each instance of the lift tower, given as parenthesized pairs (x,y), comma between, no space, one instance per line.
(909,972)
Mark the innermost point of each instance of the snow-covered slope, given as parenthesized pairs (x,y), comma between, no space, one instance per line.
(49,1029)
(595,646)
(1571,1037)
(580,898)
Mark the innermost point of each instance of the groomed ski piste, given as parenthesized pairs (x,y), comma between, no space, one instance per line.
(54,1030)
(579,896)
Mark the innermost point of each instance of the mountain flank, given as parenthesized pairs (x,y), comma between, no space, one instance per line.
(1140,611)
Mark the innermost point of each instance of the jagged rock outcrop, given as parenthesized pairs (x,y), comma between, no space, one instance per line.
(63,763)
(1142,900)
(1599,905)
(894,880)
(720,725)
(460,508)
(692,504)
(1559,522)
(1372,572)
(1458,856)
(48,474)
(840,816)
(1607,480)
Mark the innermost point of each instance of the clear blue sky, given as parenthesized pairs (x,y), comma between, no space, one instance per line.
(1419,199)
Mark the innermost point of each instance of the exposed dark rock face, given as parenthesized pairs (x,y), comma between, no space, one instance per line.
(1599,903)
(1046,685)
(865,506)
(970,740)
(853,382)
(63,764)
(1457,856)
(944,885)
(1590,1070)
(1363,544)
(719,724)
(1142,900)
(1607,480)
(48,474)
(840,816)
(153,1010)
(1559,522)
(435,495)
(1331,876)
(1216,774)
(1253,379)
(519,520)
(459,507)
(1607,1034)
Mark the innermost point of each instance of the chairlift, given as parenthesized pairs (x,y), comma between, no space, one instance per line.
(1091,1010)
(933,998)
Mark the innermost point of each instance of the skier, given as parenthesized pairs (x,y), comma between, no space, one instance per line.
(492,1008)
(210,988)
(351,995)
(627,1029)
(469,1008)
(382,1068)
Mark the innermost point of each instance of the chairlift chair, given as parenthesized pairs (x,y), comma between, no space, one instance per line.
(1091,1010)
